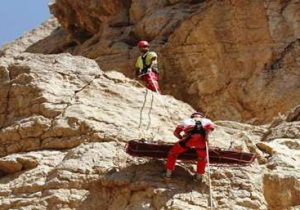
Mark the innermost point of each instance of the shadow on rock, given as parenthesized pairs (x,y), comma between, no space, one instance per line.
(139,184)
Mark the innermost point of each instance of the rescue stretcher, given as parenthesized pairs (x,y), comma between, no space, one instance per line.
(160,150)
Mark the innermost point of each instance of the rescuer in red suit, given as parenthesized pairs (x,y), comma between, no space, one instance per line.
(192,134)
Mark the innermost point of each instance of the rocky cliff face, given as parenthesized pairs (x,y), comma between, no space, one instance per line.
(233,59)
(64,125)
(64,122)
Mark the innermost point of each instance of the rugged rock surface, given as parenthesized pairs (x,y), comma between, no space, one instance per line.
(64,122)
(61,101)
(63,131)
(235,60)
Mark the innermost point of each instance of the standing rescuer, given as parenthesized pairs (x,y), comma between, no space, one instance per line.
(146,66)
(193,134)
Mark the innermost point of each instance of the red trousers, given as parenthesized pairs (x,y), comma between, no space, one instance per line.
(177,149)
(151,81)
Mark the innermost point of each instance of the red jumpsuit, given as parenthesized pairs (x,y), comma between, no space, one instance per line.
(151,81)
(196,141)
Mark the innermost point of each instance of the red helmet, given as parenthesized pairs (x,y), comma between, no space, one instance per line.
(197,114)
(143,44)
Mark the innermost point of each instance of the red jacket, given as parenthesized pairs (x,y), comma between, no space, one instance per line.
(196,140)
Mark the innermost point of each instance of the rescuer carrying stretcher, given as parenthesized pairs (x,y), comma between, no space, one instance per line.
(192,134)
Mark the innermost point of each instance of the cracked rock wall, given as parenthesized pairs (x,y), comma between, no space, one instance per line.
(59,101)
(232,59)
(64,122)
(64,127)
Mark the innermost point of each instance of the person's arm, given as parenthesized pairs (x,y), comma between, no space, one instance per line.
(208,126)
(136,73)
(178,131)
(153,61)
(137,69)
(183,128)
(154,64)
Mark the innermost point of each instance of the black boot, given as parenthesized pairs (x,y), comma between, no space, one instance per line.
(167,175)
(198,178)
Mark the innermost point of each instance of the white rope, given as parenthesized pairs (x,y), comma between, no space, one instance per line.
(142,132)
(209,181)
(141,110)
(149,113)
(162,103)
(141,129)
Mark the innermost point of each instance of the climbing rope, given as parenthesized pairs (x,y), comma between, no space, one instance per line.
(150,109)
(163,104)
(141,130)
(209,181)
(141,111)
(149,112)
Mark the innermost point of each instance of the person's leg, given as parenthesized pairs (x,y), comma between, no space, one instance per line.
(152,82)
(201,163)
(156,79)
(172,156)
(146,81)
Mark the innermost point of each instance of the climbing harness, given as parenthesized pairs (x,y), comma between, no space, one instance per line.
(197,129)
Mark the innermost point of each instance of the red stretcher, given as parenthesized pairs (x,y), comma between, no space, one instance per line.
(160,150)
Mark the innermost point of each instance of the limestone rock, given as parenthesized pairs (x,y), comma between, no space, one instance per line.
(282,189)
(64,122)
(74,103)
(294,115)
(241,52)
(13,164)
(284,130)
(90,115)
